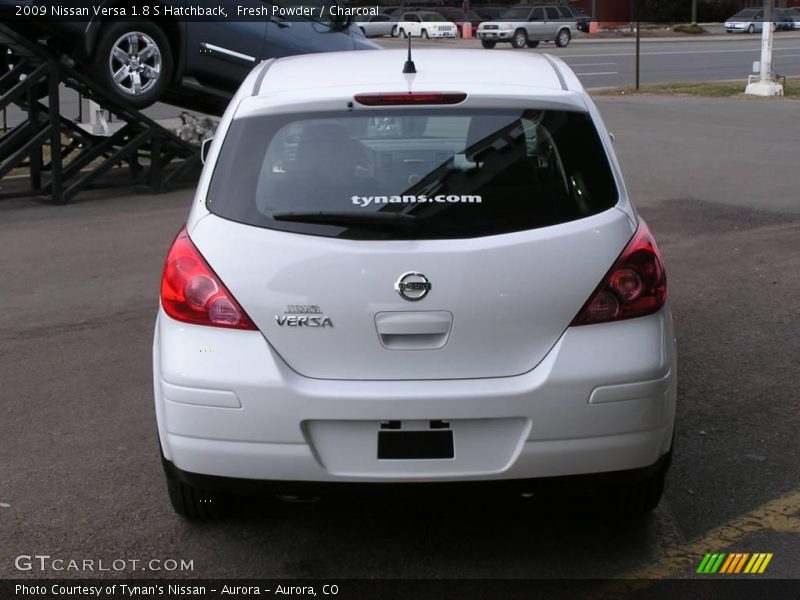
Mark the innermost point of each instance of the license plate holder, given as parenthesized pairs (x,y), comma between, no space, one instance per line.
(416,445)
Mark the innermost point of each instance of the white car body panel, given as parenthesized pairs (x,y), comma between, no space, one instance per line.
(279,433)
(526,395)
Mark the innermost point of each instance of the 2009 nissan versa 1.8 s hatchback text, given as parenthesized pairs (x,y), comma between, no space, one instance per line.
(393,277)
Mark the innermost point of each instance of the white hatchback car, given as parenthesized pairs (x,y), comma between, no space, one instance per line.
(401,278)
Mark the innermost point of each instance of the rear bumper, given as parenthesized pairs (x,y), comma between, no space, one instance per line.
(602,400)
(350,489)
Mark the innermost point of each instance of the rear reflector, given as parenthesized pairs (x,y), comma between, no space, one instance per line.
(635,286)
(414,99)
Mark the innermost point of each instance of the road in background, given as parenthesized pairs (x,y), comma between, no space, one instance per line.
(598,63)
(610,63)
(80,476)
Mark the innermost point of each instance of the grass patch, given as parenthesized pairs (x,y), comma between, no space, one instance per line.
(689,28)
(716,89)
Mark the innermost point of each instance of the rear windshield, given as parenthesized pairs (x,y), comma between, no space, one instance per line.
(412,174)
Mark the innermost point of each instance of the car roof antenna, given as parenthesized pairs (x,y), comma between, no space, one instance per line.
(409,67)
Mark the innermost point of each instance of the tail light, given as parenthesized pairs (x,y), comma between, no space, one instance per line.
(191,292)
(635,286)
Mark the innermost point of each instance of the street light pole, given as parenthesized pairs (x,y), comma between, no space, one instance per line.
(765,84)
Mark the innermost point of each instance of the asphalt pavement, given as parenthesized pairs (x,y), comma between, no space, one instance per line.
(80,476)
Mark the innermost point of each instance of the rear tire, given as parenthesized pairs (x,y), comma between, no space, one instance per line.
(533,43)
(751,29)
(520,39)
(488,44)
(394,33)
(193,502)
(402,33)
(563,38)
(636,500)
(425,34)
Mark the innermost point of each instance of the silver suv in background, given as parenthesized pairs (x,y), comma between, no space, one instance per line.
(523,26)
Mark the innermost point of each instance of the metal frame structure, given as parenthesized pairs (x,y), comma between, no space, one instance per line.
(77,160)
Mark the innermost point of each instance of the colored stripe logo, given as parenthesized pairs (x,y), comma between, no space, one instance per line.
(735,562)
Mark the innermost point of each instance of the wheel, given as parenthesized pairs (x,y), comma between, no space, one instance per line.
(194,503)
(425,34)
(532,43)
(133,61)
(394,33)
(751,29)
(520,39)
(402,33)
(638,499)
(563,38)
(488,44)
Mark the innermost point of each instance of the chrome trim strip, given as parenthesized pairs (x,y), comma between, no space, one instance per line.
(211,48)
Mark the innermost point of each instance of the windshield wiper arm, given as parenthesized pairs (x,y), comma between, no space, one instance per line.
(375,219)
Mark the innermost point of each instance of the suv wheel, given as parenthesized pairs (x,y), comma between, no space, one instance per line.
(520,39)
(488,44)
(425,34)
(563,38)
(133,61)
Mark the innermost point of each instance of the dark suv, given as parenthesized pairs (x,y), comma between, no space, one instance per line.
(191,63)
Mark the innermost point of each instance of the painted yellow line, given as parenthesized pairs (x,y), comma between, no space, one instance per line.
(781,514)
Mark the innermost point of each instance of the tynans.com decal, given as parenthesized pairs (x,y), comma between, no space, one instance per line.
(417,199)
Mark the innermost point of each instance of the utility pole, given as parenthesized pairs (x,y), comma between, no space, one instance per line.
(637,7)
(765,84)
(694,12)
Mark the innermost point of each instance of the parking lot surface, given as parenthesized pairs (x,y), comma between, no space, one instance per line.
(80,475)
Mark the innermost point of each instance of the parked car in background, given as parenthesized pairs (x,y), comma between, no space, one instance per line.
(576,12)
(783,20)
(193,64)
(377,25)
(749,20)
(459,17)
(426,24)
(794,14)
(527,26)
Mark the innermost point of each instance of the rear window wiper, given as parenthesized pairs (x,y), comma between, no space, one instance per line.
(372,220)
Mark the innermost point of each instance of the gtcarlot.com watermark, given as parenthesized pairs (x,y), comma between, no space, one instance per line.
(48,563)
